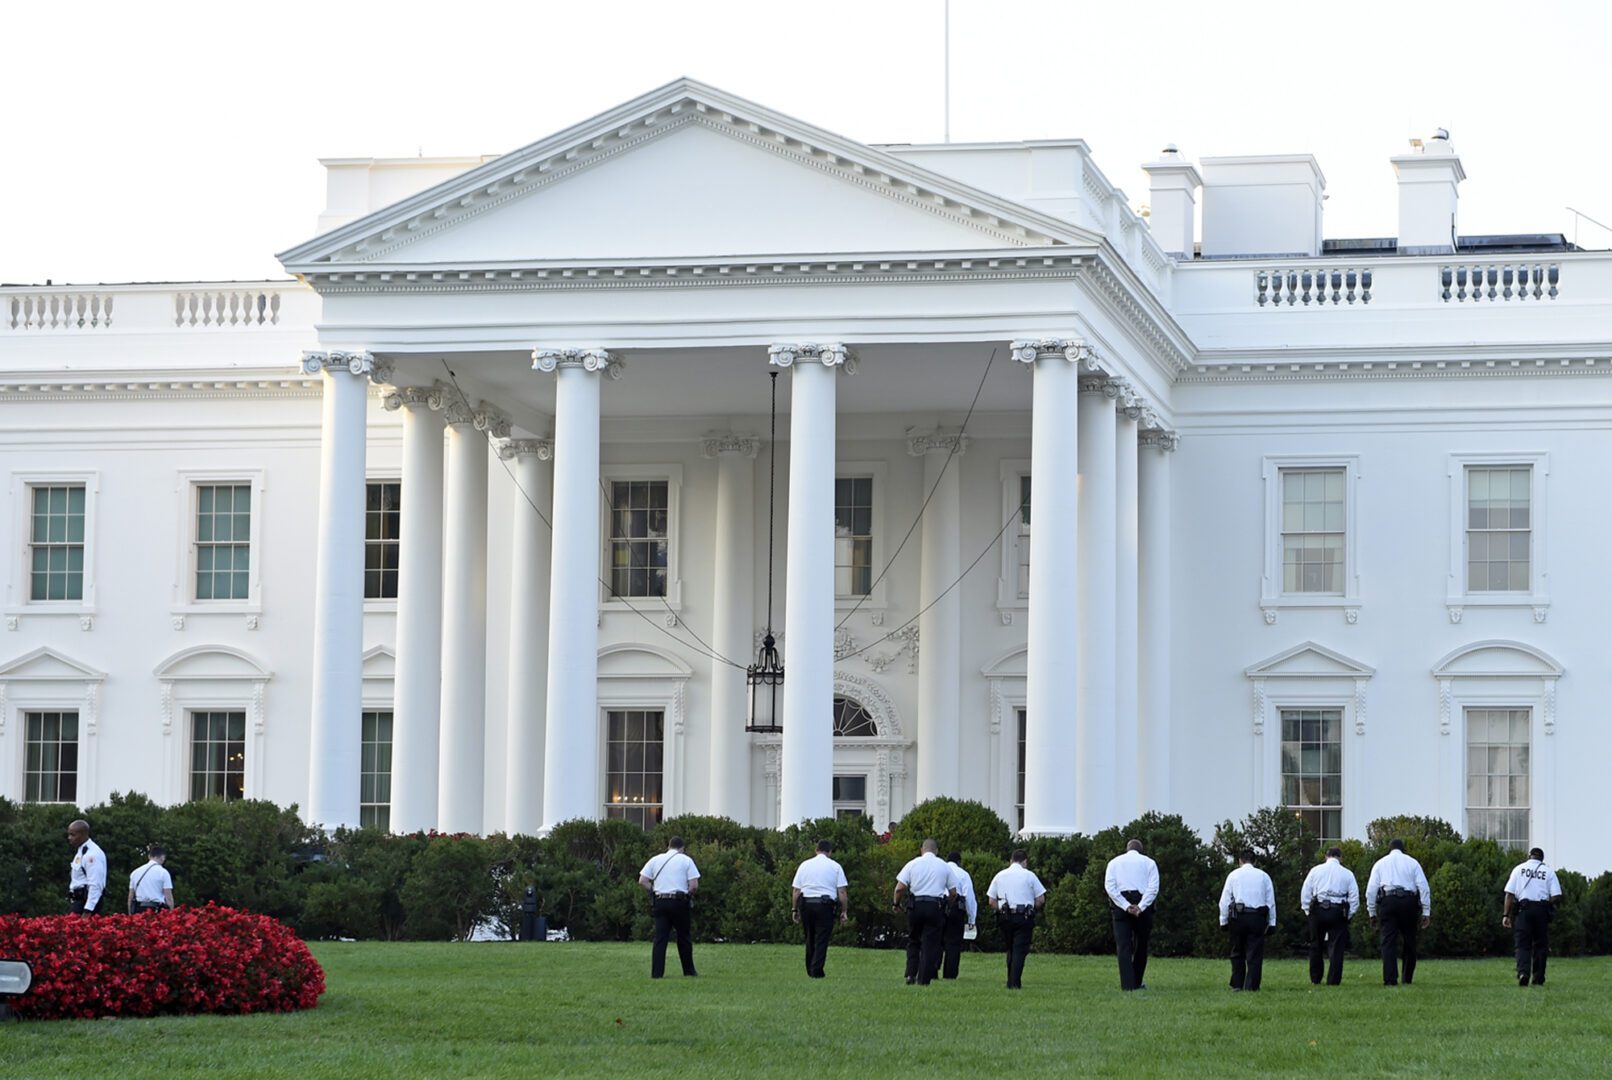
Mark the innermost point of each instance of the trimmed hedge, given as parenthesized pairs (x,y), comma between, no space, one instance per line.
(369,885)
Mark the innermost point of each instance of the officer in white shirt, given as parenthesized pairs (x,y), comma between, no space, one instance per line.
(959,916)
(930,882)
(1532,893)
(1016,895)
(1132,884)
(1399,903)
(1330,898)
(151,888)
(1248,910)
(86,879)
(819,891)
(671,879)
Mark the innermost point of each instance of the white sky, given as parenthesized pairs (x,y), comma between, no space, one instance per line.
(177,141)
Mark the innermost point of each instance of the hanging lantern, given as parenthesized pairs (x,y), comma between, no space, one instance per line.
(765,677)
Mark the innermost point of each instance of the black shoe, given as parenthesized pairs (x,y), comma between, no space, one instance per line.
(1522,981)
(911,979)
(1141,986)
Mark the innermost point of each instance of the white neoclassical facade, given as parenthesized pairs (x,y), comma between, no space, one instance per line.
(1079,512)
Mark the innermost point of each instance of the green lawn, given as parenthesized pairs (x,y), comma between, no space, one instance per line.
(579,1009)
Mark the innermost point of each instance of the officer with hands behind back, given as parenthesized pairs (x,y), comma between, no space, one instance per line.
(671,879)
(1330,898)
(819,890)
(931,883)
(1132,884)
(1399,903)
(86,878)
(1016,895)
(1248,910)
(1532,893)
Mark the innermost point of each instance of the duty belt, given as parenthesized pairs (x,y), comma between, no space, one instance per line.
(670,895)
(1021,909)
(819,900)
(1395,891)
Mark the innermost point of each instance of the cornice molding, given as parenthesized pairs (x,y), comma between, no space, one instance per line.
(1357,369)
(163,390)
(1143,314)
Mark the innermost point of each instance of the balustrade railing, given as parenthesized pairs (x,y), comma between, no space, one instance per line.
(227,307)
(1498,282)
(59,311)
(1326,287)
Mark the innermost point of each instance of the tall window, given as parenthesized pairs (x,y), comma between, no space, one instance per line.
(1312,769)
(1499,529)
(853,535)
(851,719)
(375,771)
(383,524)
(635,748)
(52,769)
(217,755)
(1497,775)
(56,543)
(638,537)
(1312,530)
(850,796)
(223,541)
(1020,803)
(1024,537)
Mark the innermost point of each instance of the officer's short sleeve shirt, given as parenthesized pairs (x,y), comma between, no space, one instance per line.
(671,872)
(819,876)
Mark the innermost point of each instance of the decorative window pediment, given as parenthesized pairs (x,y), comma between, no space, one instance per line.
(635,661)
(45,664)
(212,662)
(1497,660)
(1309,661)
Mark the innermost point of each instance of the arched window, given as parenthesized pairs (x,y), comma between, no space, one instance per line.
(851,719)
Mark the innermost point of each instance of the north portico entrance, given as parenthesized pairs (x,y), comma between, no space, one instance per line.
(607,375)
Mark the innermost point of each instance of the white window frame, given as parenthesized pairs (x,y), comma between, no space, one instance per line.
(1537,597)
(18,601)
(45,680)
(188,733)
(378,605)
(1468,707)
(1343,744)
(1011,471)
(236,682)
(879,471)
(673,475)
(186,484)
(1271,597)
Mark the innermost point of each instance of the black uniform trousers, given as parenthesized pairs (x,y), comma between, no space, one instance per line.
(1398,917)
(1530,932)
(951,939)
(671,913)
(925,921)
(1329,940)
(1017,929)
(817,919)
(1248,928)
(1131,933)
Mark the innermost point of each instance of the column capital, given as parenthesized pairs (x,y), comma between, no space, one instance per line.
(830,354)
(1073,349)
(513,448)
(919,444)
(719,445)
(358,362)
(414,397)
(1111,388)
(1132,405)
(453,406)
(590,358)
(1161,437)
(486,418)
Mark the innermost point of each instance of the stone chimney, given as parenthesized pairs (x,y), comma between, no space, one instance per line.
(1428,177)
(1173,184)
(1262,205)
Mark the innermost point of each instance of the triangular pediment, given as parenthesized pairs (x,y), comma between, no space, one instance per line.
(380,663)
(45,664)
(685,171)
(1309,661)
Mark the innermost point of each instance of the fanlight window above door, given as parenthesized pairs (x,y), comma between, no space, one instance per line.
(851,720)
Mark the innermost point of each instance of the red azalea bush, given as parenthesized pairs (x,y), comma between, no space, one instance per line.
(189,960)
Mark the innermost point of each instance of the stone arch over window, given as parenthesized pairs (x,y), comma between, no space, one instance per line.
(209,678)
(873,715)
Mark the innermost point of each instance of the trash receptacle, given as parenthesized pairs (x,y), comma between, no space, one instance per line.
(532,927)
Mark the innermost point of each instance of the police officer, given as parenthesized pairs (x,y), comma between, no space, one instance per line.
(1330,898)
(1532,893)
(959,916)
(819,891)
(151,888)
(1399,903)
(1132,884)
(931,883)
(1016,894)
(671,879)
(86,879)
(1248,910)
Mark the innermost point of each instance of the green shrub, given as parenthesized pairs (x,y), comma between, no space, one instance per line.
(957,825)
(450,889)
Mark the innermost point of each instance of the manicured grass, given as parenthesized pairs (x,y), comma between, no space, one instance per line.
(581,1009)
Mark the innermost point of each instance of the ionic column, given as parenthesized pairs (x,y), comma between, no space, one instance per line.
(335,739)
(461,782)
(417,688)
(1153,572)
(940,663)
(571,772)
(1050,790)
(808,740)
(734,611)
(1127,776)
(1096,571)
(528,634)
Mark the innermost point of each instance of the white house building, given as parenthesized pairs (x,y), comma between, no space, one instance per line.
(466,526)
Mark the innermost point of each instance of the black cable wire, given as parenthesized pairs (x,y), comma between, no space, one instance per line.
(932,489)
